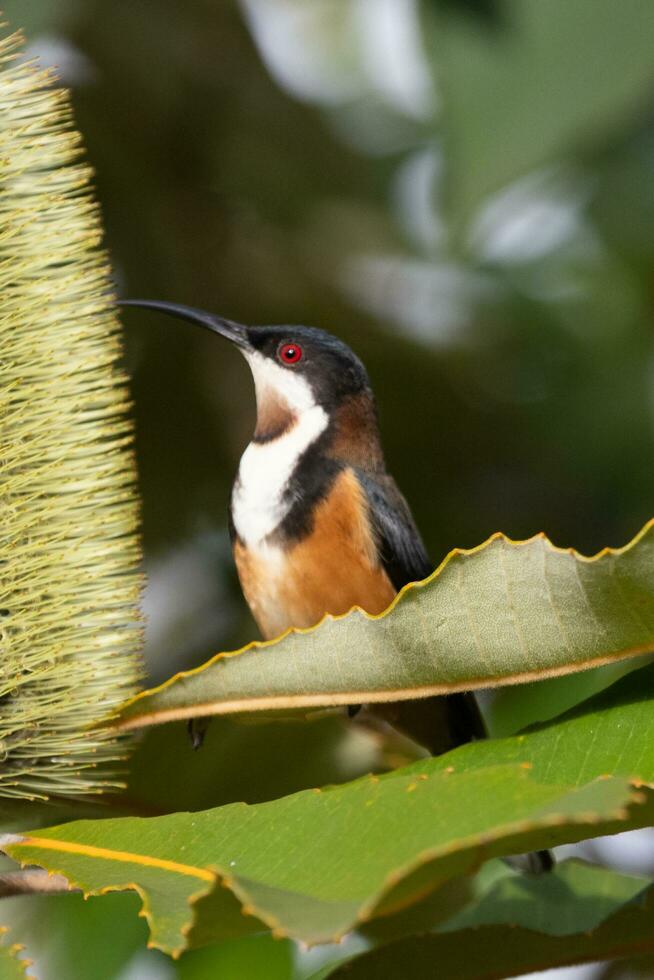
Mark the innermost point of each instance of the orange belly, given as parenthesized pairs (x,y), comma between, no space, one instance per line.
(331,570)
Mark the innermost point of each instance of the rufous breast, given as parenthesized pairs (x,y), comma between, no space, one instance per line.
(333,568)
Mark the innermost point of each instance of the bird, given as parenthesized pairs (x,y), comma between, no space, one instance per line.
(317,523)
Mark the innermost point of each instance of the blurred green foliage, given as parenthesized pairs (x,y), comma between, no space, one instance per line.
(334,167)
(221,189)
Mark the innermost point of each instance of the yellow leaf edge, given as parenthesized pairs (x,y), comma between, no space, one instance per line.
(9,843)
(479,845)
(280,702)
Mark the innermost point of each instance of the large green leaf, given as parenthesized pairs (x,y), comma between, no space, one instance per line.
(516,707)
(552,78)
(612,734)
(575,898)
(492,951)
(314,864)
(501,613)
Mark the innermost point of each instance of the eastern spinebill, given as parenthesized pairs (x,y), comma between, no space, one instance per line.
(317,523)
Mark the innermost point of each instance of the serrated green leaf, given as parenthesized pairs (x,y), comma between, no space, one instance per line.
(501,613)
(313,864)
(575,897)
(611,734)
(550,80)
(488,952)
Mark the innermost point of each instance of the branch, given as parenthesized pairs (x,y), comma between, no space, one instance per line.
(33,881)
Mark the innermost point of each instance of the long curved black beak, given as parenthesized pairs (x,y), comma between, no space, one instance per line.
(235,332)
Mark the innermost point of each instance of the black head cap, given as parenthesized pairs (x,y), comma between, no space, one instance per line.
(330,367)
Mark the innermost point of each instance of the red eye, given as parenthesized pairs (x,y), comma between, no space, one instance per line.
(289,353)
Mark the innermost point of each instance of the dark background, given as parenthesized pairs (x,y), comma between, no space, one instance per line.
(460,190)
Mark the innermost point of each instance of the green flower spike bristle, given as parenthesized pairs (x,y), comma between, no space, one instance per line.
(69,549)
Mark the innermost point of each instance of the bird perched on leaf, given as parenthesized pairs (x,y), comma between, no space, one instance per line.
(317,523)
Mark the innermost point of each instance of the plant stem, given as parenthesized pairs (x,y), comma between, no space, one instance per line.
(32,881)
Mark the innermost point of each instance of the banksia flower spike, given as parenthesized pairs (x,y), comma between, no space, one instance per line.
(69,550)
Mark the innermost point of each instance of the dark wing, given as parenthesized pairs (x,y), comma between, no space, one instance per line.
(439,723)
(401,550)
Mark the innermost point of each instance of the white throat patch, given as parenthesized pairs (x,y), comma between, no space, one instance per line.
(289,386)
(259,504)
